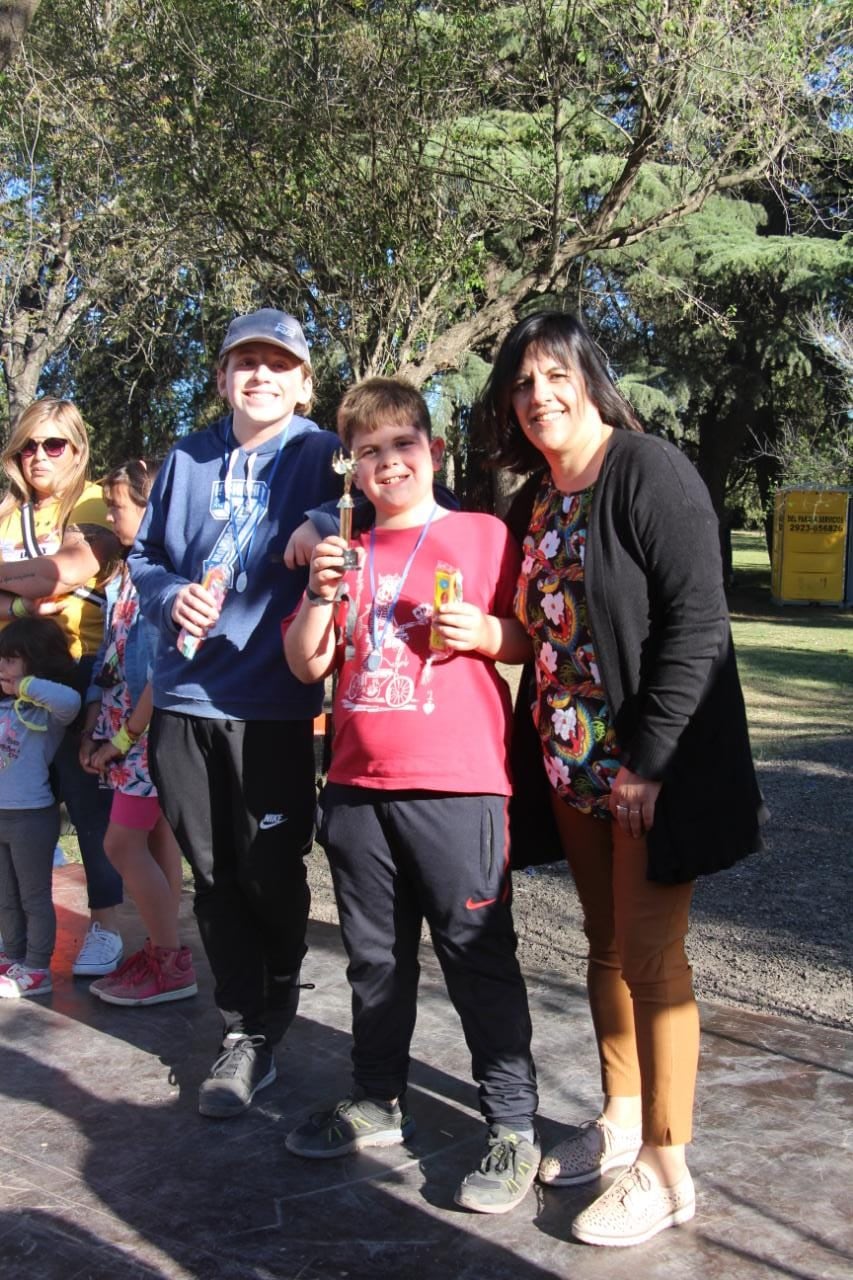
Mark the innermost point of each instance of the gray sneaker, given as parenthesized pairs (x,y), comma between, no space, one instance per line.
(350,1125)
(505,1174)
(244,1066)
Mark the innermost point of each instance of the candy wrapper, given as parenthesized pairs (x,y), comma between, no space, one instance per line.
(448,590)
(216,582)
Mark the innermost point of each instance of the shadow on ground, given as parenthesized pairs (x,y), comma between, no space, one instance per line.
(107,1170)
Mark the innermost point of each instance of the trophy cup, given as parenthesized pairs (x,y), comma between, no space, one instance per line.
(345,466)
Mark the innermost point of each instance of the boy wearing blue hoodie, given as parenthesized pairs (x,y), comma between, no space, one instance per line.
(232,730)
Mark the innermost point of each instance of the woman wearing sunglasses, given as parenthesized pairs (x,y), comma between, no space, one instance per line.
(56,549)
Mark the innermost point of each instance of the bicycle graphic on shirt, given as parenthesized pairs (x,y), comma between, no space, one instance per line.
(386,686)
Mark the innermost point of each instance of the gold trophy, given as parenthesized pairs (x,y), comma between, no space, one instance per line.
(345,466)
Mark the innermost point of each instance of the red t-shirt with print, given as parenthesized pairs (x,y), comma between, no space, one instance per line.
(408,716)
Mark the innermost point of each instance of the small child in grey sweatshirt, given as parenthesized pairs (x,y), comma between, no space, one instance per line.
(36,706)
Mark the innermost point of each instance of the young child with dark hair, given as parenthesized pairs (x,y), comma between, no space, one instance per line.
(36,706)
(139,841)
(414,814)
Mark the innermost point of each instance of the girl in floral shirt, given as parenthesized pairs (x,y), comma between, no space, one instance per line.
(139,842)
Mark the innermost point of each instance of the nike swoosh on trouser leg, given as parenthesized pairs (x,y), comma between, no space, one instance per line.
(473,905)
(266,825)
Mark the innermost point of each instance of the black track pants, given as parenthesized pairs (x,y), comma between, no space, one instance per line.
(397,859)
(240,798)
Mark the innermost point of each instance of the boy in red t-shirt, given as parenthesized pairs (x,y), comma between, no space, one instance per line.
(415,810)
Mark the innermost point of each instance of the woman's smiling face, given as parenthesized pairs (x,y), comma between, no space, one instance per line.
(551,404)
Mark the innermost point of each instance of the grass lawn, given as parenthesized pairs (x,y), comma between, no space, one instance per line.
(796,661)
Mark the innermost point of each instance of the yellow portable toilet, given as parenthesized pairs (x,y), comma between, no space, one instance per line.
(812,547)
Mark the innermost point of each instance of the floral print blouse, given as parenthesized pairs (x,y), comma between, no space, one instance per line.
(570,712)
(130,773)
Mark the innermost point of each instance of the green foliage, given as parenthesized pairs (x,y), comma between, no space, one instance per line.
(406,178)
(709,316)
(657,409)
(821,458)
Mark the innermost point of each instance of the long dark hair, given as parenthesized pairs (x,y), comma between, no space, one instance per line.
(42,644)
(564,337)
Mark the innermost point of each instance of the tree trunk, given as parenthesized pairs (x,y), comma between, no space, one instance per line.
(506,485)
(720,438)
(15,19)
(21,392)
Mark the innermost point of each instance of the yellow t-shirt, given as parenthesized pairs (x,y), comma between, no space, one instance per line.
(82,621)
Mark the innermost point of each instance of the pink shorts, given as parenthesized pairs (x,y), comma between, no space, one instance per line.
(140,813)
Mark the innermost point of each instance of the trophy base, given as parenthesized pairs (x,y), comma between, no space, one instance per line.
(350,558)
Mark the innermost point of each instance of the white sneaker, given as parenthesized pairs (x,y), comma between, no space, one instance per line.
(100,953)
(635,1208)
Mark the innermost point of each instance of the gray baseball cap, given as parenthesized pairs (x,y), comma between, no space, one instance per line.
(267,325)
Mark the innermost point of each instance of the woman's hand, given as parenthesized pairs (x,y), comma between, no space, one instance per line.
(632,802)
(195,609)
(46,608)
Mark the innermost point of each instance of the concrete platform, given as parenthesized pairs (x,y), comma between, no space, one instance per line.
(107,1172)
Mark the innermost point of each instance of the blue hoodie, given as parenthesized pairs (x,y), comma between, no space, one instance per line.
(239,672)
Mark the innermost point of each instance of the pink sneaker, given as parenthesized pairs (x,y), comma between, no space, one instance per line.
(138,960)
(20,981)
(6,962)
(150,976)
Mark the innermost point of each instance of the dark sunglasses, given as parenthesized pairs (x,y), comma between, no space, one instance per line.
(54,447)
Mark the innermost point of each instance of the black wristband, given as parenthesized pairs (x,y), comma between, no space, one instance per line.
(314,597)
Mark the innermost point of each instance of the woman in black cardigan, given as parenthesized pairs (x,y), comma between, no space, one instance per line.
(640,718)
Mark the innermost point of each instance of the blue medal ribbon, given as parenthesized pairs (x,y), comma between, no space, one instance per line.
(377,638)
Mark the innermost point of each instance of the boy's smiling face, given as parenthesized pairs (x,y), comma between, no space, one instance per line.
(396,466)
(263,384)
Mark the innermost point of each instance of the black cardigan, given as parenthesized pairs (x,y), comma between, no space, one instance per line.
(658,617)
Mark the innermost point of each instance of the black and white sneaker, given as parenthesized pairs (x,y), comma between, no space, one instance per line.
(244,1066)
